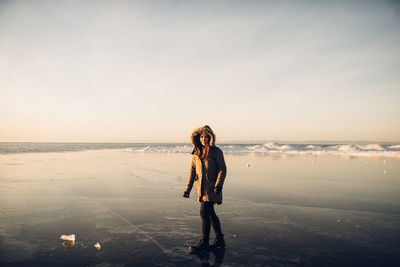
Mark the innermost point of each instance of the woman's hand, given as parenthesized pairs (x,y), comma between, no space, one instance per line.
(217,189)
(186,194)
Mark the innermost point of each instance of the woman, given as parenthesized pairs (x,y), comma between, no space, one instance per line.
(208,170)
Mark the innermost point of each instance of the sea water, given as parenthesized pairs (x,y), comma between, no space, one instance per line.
(338,149)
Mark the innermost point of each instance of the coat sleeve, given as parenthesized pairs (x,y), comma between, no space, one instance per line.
(192,175)
(222,169)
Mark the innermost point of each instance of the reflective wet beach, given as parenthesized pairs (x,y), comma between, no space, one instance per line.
(277,211)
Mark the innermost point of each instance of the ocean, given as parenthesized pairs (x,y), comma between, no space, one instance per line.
(339,149)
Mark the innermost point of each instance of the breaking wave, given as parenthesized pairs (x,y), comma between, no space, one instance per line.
(364,150)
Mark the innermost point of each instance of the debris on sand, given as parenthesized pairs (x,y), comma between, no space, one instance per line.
(68,237)
(97,246)
(69,240)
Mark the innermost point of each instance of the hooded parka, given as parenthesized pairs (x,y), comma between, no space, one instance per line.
(208,173)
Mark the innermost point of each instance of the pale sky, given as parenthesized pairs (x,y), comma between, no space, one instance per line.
(152,71)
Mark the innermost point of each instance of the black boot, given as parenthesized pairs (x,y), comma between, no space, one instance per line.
(219,242)
(202,245)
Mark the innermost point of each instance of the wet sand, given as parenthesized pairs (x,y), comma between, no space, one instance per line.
(280,211)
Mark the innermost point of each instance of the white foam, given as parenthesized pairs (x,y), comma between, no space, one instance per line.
(348,148)
(364,150)
(395,147)
(372,147)
(272,145)
(165,149)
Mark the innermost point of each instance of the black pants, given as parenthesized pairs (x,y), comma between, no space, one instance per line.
(208,218)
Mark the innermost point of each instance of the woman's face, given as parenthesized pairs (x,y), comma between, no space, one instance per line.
(205,139)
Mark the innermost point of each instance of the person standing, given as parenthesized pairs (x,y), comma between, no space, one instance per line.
(208,169)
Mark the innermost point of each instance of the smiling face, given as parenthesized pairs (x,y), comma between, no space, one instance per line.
(205,139)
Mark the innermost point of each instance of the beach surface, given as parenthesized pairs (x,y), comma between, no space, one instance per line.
(278,210)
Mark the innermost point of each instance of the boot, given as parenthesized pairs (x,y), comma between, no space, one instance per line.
(202,245)
(219,242)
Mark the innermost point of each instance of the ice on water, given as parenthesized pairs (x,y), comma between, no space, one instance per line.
(344,149)
(364,150)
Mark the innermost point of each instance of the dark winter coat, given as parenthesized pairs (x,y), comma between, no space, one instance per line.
(209,173)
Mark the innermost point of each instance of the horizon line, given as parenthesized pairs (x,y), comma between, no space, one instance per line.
(316,141)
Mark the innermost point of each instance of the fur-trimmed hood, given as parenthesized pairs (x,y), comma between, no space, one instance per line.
(195,137)
(209,172)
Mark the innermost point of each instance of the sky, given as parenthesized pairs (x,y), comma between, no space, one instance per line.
(152,71)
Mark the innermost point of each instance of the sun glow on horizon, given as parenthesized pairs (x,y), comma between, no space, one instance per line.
(126,71)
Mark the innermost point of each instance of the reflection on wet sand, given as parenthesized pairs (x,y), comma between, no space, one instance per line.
(278,211)
(204,257)
(68,244)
